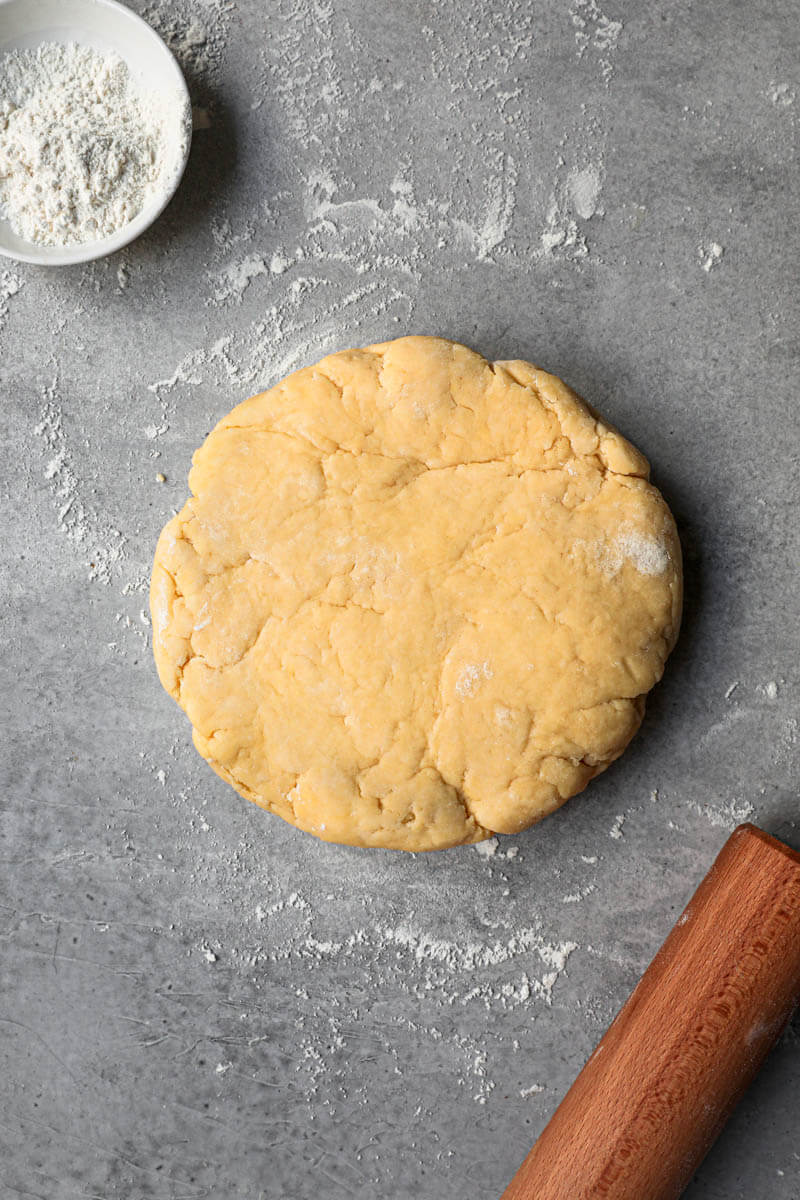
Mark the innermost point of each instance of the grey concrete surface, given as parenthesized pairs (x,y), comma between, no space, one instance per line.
(198,1001)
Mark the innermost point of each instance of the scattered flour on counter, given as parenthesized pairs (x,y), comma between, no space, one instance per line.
(782,95)
(365,239)
(584,189)
(575,196)
(446,970)
(82,152)
(404,208)
(322,208)
(377,227)
(361,256)
(487,1086)
(725,815)
(561,233)
(490,848)
(223,236)
(534,1090)
(731,689)
(365,981)
(616,829)
(581,894)
(279,263)
(710,255)
(575,193)
(349,234)
(771,690)
(237,277)
(10,285)
(185,372)
(468,957)
(500,210)
(100,543)
(196,31)
(723,728)
(595,33)
(127,625)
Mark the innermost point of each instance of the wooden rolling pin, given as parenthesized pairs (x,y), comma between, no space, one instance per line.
(650,1101)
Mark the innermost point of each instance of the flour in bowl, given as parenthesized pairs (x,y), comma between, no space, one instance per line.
(82,151)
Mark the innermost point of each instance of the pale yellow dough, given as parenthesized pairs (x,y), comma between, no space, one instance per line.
(415,598)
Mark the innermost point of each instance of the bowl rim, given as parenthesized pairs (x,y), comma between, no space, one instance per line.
(84,252)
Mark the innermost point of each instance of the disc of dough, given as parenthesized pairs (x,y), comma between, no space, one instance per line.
(415,598)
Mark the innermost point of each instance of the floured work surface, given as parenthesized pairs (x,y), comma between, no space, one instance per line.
(311,1019)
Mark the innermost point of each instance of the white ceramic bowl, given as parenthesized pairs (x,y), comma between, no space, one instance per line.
(105,25)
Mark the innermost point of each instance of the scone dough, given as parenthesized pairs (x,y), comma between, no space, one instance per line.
(415,598)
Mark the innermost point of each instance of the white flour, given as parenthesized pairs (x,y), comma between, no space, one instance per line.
(584,190)
(595,32)
(727,814)
(648,556)
(500,210)
(81,153)
(710,255)
(99,542)
(196,32)
(471,676)
(10,285)
(781,94)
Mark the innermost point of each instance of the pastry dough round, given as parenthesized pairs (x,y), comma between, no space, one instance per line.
(415,597)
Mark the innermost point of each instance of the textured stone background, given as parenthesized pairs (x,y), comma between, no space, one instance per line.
(196,1000)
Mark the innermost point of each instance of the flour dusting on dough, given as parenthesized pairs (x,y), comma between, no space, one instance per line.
(471,676)
(648,555)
